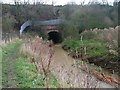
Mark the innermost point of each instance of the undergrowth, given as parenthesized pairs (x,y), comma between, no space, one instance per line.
(93,47)
(6,53)
(28,77)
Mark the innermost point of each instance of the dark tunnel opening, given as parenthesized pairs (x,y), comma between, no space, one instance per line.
(56,37)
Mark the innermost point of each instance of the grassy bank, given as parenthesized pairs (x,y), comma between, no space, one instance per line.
(9,54)
(97,53)
(28,77)
(18,71)
(93,47)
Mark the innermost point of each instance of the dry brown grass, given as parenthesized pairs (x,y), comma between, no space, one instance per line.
(106,77)
(107,34)
(3,43)
(40,53)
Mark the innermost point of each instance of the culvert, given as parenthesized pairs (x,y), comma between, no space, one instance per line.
(56,37)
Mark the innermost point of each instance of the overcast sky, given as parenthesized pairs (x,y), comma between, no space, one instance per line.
(57,2)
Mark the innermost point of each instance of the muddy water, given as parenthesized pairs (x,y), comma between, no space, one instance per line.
(67,73)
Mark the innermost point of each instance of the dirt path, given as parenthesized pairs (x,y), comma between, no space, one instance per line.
(9,69)
(69,75)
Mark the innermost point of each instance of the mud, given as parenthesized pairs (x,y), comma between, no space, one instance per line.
(69,75)
(109,65)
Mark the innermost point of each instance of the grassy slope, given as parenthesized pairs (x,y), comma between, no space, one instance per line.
(25,74)
(9,54)
(28,76)
(94,47)
(98,54)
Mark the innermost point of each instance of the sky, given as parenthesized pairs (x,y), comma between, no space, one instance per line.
(56,2)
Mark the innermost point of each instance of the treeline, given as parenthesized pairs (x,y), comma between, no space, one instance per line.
(21,13)
(76,17)
(79,18)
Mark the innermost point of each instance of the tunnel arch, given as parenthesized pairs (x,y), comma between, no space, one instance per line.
(55,36)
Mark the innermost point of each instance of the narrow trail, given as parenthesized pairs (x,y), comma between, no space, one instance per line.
(9,68)
(63,67)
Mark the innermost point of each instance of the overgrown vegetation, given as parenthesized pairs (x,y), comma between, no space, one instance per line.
(18,71)
(93,47)
(32,67)
(80,18)
(8,53)
(29,77)
(77,18)
(99,47)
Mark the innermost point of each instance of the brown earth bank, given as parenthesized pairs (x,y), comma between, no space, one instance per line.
(109,65)
(70,75)
(106,62)
(110,72)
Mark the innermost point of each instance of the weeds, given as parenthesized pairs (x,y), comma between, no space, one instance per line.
(92,47)
(28,77)
(8,58)
(41,53)
(89,47)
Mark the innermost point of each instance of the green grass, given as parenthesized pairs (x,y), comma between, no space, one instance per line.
(9,48)
(94,47)
(26,72)
(6,53)
(28,76)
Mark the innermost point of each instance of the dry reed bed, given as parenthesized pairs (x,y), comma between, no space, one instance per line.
(108,34)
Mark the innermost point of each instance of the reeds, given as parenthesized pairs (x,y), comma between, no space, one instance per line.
(108,34)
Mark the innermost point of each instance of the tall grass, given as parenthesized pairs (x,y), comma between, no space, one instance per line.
(40,53)
(109,35)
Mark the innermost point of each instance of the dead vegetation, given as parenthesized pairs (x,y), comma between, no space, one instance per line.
(40,53)
(107,57)
(105,77)
(108,34)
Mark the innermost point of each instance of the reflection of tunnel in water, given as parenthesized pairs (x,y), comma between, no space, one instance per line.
(55,37)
